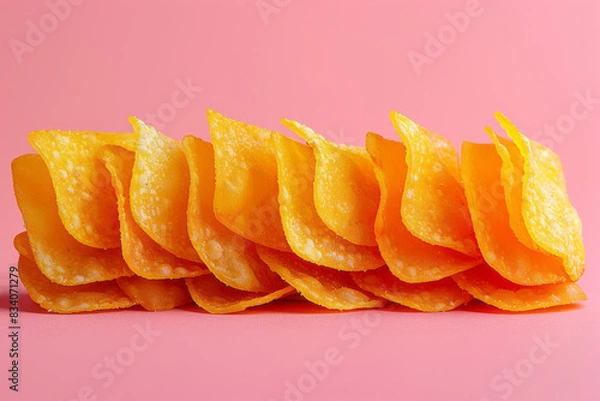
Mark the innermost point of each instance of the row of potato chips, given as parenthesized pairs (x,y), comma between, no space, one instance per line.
(119,219)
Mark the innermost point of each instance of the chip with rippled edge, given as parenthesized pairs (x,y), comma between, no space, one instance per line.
(320,285)
(408,257)
(549,216)
(159,190)
(155,295)
(58,255)
(86,202)
(346,194)
(481,171)
(434,207)
(246,181)
(306,233)
(142,254)
(485,284)
(435,296)
(229,256)
(215,297)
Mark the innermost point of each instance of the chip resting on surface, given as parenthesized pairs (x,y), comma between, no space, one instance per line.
(155,295)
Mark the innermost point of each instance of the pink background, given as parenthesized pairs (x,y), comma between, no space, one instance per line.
(339,69)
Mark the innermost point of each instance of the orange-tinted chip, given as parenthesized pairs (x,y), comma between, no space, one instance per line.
(61,299)
(488,286)
(143,255)
(246,181)
(306,233)
(549,216)
(408,257)
(346,194)
(215,297)
(159,190)
(500,247)
(434,207)
(229,256)
(86,201)
(435,296)
(22,245)
(59,256)
(155,295)
(320,285)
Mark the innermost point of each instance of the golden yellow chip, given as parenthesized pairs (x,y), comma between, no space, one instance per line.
(159,191)
(306,233)
(408,257)
(86,201)
(155,295)
(346,194)
(143,255)
(435,296)
(320,285)
(229,256)
(488,286)
(434,207)
(549,216)
(22,245)
(62,299)
(59,256)
(499,245)
(215,297)
(246,181)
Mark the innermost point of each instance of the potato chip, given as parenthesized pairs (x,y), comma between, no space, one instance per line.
(143,255)
(306,233)
(549,216)
(246,181)
(435,296)
(229,256)
(434,207)
(215,297)
(490,287)
(346,194)
(59,256)
(61,299)
(500,247)
(155,295)
(22,245)
(408,257)
(320,285)
(86,201)
(159,190)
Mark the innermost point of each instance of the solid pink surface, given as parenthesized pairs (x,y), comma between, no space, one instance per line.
(339,69)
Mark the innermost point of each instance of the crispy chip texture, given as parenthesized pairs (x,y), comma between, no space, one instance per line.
(307,235)
(229,256)
(246,181)
(435,296)
(59,256)
(433,207)
(320,285)
(215,297)
(86,201)
(82,298)
(155,295)
(549,216)
(159,190)
(500,247)
(488,286)
(143,255)
(346,194)
(408,257)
